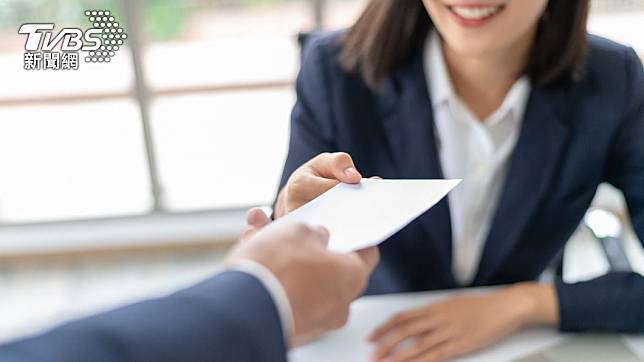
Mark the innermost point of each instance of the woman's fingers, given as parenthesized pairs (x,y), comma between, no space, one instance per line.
(314,178)
(395,321)
(303,187)
(439,353)
(389,342)
(338,165)
(423,345)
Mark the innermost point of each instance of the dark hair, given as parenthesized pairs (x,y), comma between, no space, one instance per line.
(388,32)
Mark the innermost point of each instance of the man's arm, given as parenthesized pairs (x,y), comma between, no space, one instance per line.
(229,317)
(296,291)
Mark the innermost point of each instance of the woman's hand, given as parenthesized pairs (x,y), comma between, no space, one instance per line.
(314,178)
(464,324)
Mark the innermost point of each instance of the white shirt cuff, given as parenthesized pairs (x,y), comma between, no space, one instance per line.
(274,288)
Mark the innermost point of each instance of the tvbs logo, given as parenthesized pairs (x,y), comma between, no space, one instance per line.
(47,50)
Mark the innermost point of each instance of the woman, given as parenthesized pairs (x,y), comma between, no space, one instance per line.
(516,99)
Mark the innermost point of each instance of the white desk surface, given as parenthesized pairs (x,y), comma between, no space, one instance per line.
(349,345)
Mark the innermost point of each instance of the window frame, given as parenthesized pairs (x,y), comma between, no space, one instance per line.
(143,94)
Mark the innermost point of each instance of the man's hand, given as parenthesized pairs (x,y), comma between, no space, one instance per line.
(463,324)
(314,178)
(320,284)
(255,220)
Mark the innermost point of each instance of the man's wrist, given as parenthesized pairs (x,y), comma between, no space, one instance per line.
(276,290)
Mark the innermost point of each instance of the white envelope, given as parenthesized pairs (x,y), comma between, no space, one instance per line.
(362,215)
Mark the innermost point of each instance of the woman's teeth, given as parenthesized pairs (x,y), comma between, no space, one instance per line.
(475,13)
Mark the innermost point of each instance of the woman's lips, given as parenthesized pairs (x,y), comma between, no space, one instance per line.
(474,15)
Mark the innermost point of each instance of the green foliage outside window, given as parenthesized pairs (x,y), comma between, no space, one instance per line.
(163,19)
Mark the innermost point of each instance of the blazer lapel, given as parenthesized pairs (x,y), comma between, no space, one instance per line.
(531,169)
(408,124)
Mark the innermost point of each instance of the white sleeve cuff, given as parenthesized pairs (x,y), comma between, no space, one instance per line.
(274,288)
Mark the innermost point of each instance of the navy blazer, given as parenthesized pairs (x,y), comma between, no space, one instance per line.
(230,317)
(573,138)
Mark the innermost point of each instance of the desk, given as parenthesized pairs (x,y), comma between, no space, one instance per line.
(349,345)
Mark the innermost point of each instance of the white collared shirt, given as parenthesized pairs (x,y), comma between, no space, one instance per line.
(473,150)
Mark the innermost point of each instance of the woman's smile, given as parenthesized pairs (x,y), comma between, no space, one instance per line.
(474,15)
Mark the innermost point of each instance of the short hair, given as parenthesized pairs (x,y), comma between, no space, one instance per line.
(388,32)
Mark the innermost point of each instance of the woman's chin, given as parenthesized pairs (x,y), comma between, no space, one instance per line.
(471,47)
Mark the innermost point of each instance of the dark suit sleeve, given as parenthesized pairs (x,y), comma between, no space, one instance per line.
(311,118)
(616,301)
(230,317)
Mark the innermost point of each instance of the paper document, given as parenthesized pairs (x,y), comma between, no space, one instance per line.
(362,215)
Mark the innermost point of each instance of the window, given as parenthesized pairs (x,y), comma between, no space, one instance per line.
(620,20)
(191,115)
